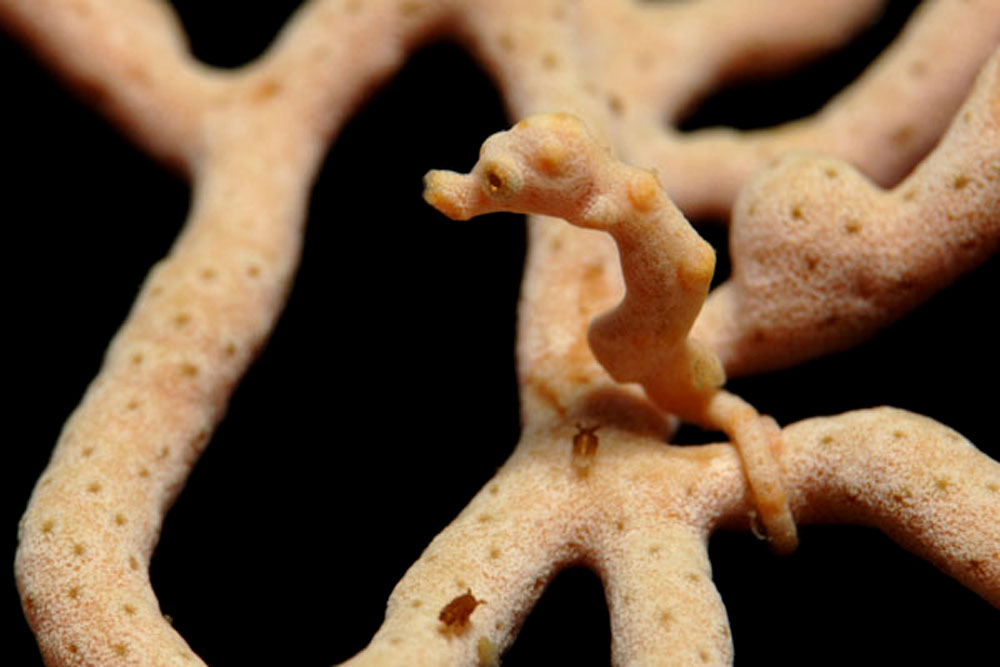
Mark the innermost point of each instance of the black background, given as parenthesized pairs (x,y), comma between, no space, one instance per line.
(379,408)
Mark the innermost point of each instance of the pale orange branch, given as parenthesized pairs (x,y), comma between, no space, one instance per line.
(127,57)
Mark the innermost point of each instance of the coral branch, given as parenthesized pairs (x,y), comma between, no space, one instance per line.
(664,607)
(921,483)
(903,473)
(89,532)
(727,40)
(822,259)
(882,124)
(127,57)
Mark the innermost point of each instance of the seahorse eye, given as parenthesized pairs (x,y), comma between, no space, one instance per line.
(494,182)
(500,180)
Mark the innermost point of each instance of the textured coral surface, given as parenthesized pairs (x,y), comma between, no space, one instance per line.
(385,400)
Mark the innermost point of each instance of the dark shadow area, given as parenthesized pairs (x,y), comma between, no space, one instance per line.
(690,434)
(848,595)
(569,625)
(230,33)
(763,102)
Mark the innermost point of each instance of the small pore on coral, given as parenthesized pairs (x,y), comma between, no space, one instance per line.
(902,495)
(266,90)
(455,615)
(902,135)
(616,105)
(410,7)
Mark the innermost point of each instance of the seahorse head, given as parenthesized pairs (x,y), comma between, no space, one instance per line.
(541,165)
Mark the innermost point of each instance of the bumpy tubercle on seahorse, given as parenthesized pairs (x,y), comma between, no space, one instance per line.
(549,164)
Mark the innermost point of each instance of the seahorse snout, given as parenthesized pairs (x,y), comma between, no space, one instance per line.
(450,192)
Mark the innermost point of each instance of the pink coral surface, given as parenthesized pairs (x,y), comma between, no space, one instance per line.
(385,399)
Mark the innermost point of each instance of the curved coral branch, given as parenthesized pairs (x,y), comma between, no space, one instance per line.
(882,124)
(916,480)
(129,58)
(822,258)
(88,533)
(726,38)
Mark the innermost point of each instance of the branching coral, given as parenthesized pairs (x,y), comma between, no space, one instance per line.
(252,138)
